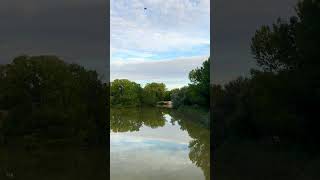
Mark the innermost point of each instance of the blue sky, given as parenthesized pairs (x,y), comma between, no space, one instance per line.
(158,41)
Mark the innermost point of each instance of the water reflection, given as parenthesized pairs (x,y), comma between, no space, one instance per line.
(154,143)
(124,120)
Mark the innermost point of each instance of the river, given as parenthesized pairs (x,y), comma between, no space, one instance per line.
(157,144)
(145,144)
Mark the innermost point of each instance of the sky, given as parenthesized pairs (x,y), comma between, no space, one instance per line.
(161,43)
(75,30)
(234,23)
(158,41)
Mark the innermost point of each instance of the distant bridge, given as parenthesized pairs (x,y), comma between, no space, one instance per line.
(166,104)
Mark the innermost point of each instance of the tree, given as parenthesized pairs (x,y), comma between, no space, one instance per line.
(168,94)
(125,93)
(292,45)
(153,92)
(200,84)
(179,97)
(275,47)
(49,99)
(290,50)
(198,91)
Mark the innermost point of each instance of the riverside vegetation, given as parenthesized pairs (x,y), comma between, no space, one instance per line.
(47,101)
(125,93)
(53,120)
(281,97)
(142,128)
(44,100)
(270,118)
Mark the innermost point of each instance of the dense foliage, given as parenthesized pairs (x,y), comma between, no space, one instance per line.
(282,97)
(198,91)
(50,100)
(153,92)
(125,93)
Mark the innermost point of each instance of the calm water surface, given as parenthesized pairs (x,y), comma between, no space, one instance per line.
(146,144)
(157,144)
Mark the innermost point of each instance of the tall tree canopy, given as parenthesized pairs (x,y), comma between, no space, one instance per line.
(282,96)
(200,84)
(153,92)
(125,93)
(292,45)
(198,91)
(50,99)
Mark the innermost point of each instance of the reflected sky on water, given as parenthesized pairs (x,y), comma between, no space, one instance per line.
(151,144)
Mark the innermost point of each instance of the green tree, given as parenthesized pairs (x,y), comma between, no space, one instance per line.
(125,93)
(153,92)
(168,94)
(200,84)
(179,97)
(198,91)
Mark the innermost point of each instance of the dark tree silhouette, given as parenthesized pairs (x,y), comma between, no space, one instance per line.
(49,100)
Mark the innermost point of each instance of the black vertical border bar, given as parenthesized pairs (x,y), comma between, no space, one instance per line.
(107,40)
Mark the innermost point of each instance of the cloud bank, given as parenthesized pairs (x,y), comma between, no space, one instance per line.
(154,40)
(174,73)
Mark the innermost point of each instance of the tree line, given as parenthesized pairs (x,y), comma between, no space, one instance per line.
(126,93)
(47,100)
(281,97)
(44,100)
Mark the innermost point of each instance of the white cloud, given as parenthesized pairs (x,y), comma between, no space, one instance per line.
(173,72)
(164,25)
(142,39)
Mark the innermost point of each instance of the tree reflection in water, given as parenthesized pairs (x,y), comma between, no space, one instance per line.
(200,145)
(129,120)
(124,120)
